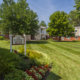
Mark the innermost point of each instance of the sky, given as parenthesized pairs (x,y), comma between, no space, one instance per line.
(44,8)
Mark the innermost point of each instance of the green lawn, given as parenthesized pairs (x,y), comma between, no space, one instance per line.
(65,57)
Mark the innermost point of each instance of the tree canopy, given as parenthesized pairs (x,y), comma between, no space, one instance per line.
(59,25)
(77,1)
(17,18)
(43,23)
(75,14)
(75,17)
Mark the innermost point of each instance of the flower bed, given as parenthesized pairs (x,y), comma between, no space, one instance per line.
(38,73)
(34,72)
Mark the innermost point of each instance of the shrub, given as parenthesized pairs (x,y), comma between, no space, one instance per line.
(18,75)
(23,56)
(9,61)
(5,66)
(39,76)
(42,71)
(31,53)
(1,37)
(38,57)
(36,73)
(29,61)
(21,50)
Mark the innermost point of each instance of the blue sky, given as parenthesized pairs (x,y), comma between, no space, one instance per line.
(45,8)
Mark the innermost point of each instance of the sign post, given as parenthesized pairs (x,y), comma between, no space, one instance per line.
(25,44)
(11,43)
(18,40)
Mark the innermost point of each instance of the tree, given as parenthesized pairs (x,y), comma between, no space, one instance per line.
(17,18)
(75,14)
(75,17)
(33,26)
(59,25)
(77,1)
(43,23)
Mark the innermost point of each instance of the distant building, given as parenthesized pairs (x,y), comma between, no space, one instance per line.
(77,31)
(77,36)
(41,34)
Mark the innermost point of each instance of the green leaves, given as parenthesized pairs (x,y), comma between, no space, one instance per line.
(43,24)
(59,24)
(18,18)
(77,1)
(18,75)
(75,14)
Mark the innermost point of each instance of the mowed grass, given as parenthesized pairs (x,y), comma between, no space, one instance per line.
(65,57)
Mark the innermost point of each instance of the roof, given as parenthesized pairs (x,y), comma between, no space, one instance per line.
(77,27)
(43,27)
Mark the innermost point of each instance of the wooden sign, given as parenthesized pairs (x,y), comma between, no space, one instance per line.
(18,40)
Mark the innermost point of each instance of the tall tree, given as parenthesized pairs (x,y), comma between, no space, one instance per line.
(74,17)
(77,1)
(75,14)
(59,25)
(33,25)
(43,23)
(17,17)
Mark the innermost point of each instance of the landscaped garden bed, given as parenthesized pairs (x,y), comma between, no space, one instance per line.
(19,67)
(38,73)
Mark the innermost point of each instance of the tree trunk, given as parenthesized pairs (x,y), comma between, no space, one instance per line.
(32,37)
(59,38)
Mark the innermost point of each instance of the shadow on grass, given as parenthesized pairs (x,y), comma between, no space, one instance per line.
(53,76)
(2,52)
(37,42)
